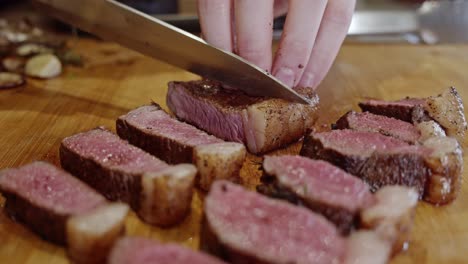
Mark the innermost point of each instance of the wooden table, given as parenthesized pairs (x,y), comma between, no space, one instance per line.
(35,118)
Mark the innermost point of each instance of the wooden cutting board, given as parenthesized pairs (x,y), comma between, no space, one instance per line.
(35,118)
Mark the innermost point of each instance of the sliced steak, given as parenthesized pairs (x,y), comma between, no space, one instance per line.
(447,109)
(126,173)
(261,124)
(388,126)
(246,227)
(433,168)
(392,214)
(218,161)
(446,166)
(152,129)
(130,250)
(368,247)
(63,210)
(408,109)
(341,197)
(90,236)
(429,129)
(377,159)
(320,186)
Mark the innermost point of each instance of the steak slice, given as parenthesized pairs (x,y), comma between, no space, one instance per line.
(433,168)
(261,124)
(245,227)
(377,159)
(320,186)
(341,197)
(63,210)
(447,109)
(392,215)
(388,126)
(152,129)
(368,247)
(130,250)
(126,173)
(408,109)
(446,166)
(429,129)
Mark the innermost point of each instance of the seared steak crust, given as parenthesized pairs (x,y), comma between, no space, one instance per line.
(446,167)
(343,219)
(209,243)
(387,126)
(147,187)
(63,210)
(218,161)
(378,169)
(48,224)
(433,167)
(408,169)
(110,184)
(152,129)
(249,229)
(314,149)
(169,150)
(436,117)
(262,124)
(392,214)
(409,109)
(446,108)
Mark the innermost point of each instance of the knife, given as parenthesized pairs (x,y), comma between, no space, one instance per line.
(150,36)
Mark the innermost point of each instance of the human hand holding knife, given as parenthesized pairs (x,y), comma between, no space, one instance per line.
(150,36)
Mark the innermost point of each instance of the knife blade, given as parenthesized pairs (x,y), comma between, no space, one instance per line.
(150,36)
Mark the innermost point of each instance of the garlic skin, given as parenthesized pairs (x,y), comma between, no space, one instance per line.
(10,80)
(44,66)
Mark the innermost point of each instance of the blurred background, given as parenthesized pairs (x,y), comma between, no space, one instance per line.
(381,21)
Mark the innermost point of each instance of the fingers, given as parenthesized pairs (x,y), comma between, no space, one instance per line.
(300,30)
(215,21)
(335,25)
(280,8)
(254,30)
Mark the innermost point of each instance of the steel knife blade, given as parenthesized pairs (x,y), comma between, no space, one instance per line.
(117,22)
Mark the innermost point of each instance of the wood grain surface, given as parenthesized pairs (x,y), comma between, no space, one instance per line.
(35,118)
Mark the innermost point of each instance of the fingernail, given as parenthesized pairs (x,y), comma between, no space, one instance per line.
(286,75)
(307,80)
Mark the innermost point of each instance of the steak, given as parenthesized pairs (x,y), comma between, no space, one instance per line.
(433,168)
(318,185)
(340,197)
(388,126)
(130,250)
(377,159)
(126,173)
(63,210)
(447,109)
(261,124)
(408,109)
(429,129)
(245,227)
(368,247)
(152,129)
(446,167)
(392,215)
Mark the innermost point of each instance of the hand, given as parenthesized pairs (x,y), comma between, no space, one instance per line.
(312,36)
